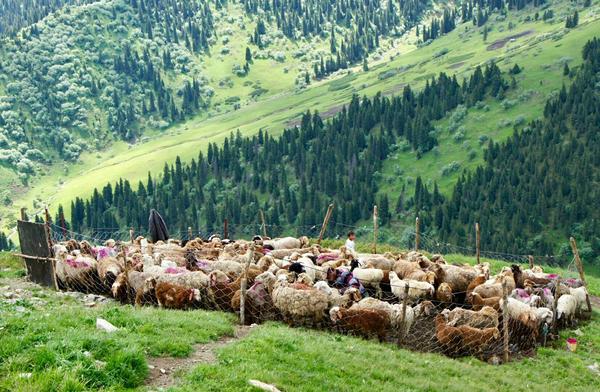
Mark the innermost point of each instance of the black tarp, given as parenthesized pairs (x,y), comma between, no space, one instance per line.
(157,227)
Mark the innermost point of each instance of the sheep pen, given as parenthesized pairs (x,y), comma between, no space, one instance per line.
(421,303)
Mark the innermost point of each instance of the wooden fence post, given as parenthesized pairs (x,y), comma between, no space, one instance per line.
(325,223)
(190,234)
(402,320)
(530,262)
(375,228)
(264,225)
(131,235)
(244,284)
(477,241)
(578,260)
(417,235)
(505,317)
(226,228)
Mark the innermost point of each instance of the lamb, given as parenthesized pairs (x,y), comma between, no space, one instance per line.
(108,270)
(394,312)
(416,289)
(523,313)
(424,309)
(221,292)
(523,296)
(350,296)
(259,304)
(487,317)
(581,295)
(370,277)
(566,308)
(479,280)
(544,315)
(172,296)
(134,284)
(363,322)
(444,293)
(479,302)
(296,303)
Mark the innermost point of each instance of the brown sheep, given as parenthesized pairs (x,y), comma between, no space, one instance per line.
(457,340)
(484,318)
(479,302)
(108,270)
(173,296)
(363,322)
(479,280)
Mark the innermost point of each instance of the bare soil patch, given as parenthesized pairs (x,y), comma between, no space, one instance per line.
(498,44)
(456,65)
(162,369)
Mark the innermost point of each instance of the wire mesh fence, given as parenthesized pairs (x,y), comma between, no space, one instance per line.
(417,302)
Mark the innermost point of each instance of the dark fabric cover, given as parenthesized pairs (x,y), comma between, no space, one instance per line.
(157,227)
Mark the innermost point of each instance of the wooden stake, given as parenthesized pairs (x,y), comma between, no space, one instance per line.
(477,241)
(131,235)
(578,262)
(264,225)
(226,228)
(375,229)
(417,235)
(404,304)
(530,262)
(325,223)
(505,320)
(190,234)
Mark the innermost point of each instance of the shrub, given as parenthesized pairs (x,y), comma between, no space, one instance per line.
(450,168)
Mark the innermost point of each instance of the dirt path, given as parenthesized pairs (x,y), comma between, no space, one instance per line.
(162,369)
(498,44)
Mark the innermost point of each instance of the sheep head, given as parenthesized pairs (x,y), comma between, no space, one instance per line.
(335,314)
(194,295)
(304,241)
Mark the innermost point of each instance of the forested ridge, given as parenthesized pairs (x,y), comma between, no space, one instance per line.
(542,184)
(295,176)
(16,14)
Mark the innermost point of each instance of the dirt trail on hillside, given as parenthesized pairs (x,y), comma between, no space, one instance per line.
(161,370)
(498,44)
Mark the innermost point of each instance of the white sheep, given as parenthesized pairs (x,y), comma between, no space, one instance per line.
(288,243)
(581,295)
(350,296)
(566,307)
(416,289)
(299,304)
(370,277)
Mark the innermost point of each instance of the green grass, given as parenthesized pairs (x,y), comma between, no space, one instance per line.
(281,106)
(57,341)
(303,360)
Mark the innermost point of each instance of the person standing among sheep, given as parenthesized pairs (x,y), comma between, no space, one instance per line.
(350,245)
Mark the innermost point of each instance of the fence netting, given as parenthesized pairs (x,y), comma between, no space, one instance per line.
(418,301)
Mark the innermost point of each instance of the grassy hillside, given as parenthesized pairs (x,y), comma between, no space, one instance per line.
(49,342)
(538,48)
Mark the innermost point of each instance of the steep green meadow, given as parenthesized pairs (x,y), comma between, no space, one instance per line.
(538,48)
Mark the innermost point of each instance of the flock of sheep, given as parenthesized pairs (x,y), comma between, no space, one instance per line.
(420,302)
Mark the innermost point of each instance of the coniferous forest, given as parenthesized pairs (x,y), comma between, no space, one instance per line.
(540,185)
